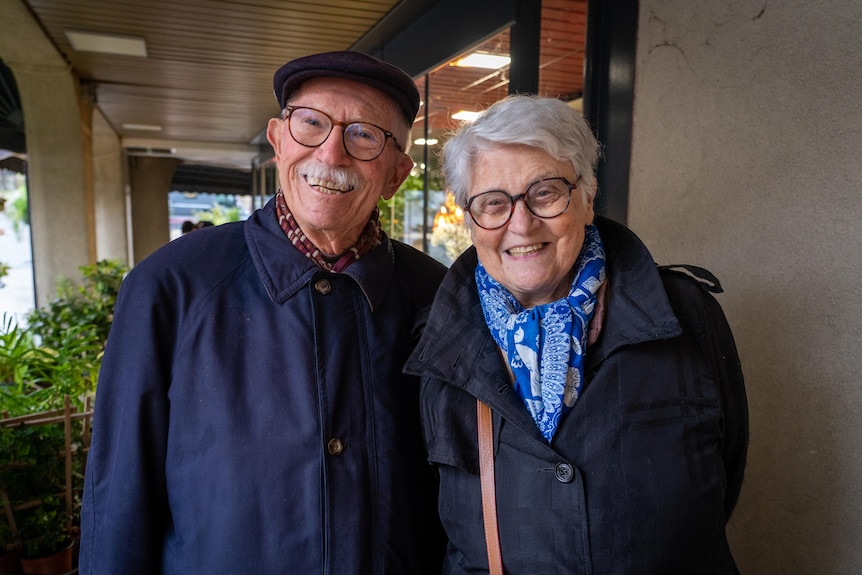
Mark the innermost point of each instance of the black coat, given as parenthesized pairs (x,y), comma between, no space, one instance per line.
(645,470)
(252,417)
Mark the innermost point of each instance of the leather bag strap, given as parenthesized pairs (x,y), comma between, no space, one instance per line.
(489,496)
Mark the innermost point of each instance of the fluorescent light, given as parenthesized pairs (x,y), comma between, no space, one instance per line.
(107,43)
(143,127)
(423,141)
(465,115)
(490,61)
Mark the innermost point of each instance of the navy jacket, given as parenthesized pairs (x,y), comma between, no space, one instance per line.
(252,417)
(642,474)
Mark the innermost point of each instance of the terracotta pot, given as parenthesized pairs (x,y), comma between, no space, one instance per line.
(59,563)
(9,564)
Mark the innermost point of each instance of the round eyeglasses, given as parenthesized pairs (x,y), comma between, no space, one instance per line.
(546,198)
(310,128)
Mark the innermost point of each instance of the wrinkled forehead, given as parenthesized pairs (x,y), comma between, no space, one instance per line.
(348,100)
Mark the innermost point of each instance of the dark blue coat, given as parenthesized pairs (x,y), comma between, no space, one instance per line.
(251,415)
(642,474)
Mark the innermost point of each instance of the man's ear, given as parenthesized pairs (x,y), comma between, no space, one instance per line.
(273,134)
(402,170)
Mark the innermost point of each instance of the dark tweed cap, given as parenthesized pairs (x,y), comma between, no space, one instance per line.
(349,65)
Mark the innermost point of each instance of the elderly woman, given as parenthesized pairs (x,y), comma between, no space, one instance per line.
(619,419)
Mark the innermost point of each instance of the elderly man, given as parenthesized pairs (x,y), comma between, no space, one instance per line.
(251,415)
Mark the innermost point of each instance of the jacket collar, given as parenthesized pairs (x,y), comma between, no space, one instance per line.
(457,346)
(284,270)
(638,309)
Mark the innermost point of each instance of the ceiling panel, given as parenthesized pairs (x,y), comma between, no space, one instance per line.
(207,77)
(208,71)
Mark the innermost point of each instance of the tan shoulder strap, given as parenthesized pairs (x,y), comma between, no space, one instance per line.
(489,497)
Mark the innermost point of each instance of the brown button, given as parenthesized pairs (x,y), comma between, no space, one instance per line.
(323,286)
(335,446)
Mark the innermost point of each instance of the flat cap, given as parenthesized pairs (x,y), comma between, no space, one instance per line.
(349,65)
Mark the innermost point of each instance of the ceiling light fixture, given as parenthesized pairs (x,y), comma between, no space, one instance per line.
(423,141)
(107,43)
(481,60)
(143,127)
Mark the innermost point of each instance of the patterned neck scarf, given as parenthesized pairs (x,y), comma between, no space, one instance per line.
(369,239)
(546,345)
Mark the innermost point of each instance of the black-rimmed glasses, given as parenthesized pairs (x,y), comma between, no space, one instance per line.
(546,198)
(310,128)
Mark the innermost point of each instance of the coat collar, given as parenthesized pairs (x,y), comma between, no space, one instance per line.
(457,346)
(284,270)
(638,309)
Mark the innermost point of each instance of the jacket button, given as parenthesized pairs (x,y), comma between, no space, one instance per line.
(323,286)
(334,446)
(564,472)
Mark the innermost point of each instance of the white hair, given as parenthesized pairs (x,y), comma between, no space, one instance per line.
(545,123)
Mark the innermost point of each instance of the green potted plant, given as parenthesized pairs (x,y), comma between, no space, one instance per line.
(32,474)
(21,360)
(89,305)
(48,370)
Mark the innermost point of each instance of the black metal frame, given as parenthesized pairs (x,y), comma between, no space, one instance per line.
(609,70)
(609,97)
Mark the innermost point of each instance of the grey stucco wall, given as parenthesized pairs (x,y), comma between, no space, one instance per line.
(747,159)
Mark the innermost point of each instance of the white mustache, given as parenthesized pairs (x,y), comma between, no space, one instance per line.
(340,179)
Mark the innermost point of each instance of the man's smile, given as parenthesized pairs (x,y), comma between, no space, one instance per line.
(325,186)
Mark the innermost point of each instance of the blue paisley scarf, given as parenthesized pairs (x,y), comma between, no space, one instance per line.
(546,345)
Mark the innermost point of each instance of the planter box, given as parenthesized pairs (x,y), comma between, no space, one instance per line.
(41,476)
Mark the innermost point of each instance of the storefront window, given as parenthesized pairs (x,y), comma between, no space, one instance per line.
(424,215)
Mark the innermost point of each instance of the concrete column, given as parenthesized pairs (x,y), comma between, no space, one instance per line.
(150,180)
(61,212)
(109,192)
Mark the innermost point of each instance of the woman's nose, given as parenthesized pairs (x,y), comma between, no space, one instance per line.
(522,219)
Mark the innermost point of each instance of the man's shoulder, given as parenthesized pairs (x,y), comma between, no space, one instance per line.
(201,256)
(412,261)
(419,273)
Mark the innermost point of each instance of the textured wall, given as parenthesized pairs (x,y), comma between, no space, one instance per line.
(747,159)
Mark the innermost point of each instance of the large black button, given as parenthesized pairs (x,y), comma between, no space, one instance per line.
(564,472)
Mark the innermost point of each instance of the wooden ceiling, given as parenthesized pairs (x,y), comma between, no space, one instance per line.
(207,76)
(453,88)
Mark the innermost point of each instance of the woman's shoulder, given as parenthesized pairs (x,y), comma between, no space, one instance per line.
(691,289)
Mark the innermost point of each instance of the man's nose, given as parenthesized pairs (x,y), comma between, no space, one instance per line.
(332,150)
